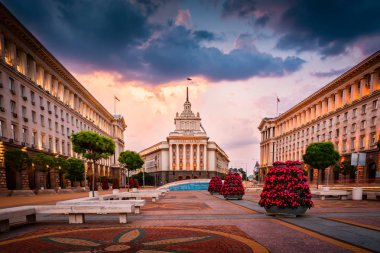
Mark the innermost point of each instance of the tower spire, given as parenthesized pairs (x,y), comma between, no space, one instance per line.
(187,94)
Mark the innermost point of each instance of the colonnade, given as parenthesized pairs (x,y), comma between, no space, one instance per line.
(194,159)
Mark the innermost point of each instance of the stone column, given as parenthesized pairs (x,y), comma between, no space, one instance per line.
(24,180)
(345,97)
(23,63)
(338,99)
(331,105)
(198,156)
(47,82)
(354,91)
(2,46)
(191,157)
(170,157)
(375,83)
(205,157)
(40,76)
(364,87)
(307,115)
(177,156)
(3,178)
(317,110)
(184,156)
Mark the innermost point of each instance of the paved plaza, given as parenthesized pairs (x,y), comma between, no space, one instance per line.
(195,221)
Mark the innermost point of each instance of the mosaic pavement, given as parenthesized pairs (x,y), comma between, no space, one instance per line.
(198,222)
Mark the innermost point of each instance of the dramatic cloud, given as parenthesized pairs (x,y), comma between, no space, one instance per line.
(331,73)
(328,27)
(117,36)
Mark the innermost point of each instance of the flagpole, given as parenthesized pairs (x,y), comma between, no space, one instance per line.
(277,108)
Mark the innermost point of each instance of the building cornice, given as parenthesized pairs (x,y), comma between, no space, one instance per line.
(9,20)
(354,71)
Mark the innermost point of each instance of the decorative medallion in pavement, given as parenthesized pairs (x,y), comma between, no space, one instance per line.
(141,240)
(175,206)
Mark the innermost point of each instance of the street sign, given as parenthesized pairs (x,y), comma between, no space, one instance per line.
(358,159)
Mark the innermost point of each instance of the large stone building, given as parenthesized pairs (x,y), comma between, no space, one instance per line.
(345,112)
(187,152)
(41,103)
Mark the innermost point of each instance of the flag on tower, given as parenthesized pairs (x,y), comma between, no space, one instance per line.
(117,98)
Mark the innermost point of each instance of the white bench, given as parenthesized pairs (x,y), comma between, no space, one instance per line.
(138,195)
(77,212)
(336,193)
(15,212)
(137,203)
(373,195)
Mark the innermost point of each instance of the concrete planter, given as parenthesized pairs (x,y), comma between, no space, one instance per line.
(238,197)
(286,211)
(115,191)
(96,194)
(357,193)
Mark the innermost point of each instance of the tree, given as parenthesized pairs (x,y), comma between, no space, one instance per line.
(131,161)
(321,155)
(93,147)
(61,164)
(42,162)
(75,170)
(149,179)
(243,173)
(17,160)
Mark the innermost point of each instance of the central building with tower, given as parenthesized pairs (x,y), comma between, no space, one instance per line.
(187,152)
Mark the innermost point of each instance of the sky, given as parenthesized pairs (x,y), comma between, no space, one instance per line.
(240,54)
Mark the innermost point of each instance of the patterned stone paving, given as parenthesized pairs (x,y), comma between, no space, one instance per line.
(198,222)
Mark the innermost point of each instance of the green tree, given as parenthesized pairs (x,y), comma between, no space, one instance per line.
(75,171)
(321,155)
(131,161)
(243,173)
(61,164)
(93,147)
(17,160)
(43,162)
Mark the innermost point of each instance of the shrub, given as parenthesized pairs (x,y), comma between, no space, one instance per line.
(232,185)
(286,187)
(215,185)
(133,183)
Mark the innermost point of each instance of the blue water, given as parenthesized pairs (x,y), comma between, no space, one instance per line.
(190,187)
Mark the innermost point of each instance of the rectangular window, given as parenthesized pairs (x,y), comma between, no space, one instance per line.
(34,138)
(1,101)
(345,115)
(373,139)
(24,135)
(361,141)
(49,123)
(23,91)
(32,99)
(373,121)
(34,117)
(353,127)
(23,112)
(13,106)
(364,108)
(354,113)
(68,132)
(56,127)
(344,146)
(55,111)
(48,106)
(362,124)
(42,120)
(330,122)
(337,133)
(1,128)
(337,119)
(352,143)
(62,130)
(67,118)
(345,130)
(374,104)
(12,87)
(13,131)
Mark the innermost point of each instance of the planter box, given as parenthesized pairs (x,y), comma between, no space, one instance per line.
(286,211)
(238,197)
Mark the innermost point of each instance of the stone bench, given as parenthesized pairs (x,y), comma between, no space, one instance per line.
(15,212)
(137,203)
(373,195)
(138,195)
(336,193)
(77,212)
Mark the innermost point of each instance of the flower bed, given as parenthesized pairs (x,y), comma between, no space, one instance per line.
(232,187)
(286,187)
(215,185)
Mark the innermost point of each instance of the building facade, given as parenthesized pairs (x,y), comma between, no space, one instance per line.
(187,152)
(42,104)
(345,112)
